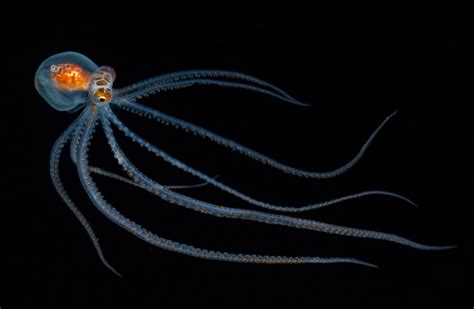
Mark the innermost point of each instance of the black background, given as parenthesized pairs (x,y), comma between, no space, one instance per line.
(355,71)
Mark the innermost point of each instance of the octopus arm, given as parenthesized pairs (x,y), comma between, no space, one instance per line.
(177,80)
(58,185)
(186,168)
(115,216)
(166,119)
(244,214)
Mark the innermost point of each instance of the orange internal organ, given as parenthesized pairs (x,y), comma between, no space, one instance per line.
(69,77)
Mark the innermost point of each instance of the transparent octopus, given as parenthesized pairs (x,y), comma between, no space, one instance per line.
(70,81)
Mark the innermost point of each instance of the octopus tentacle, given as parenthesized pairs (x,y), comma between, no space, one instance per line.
(206,77)
(243,214)
(73,145)
(159,153)
(76,138)
(58,185)
(100,171)
(207,82)
(115,216)
(166,119)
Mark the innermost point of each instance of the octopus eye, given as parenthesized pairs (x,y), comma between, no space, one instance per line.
(110,76)
(103,95)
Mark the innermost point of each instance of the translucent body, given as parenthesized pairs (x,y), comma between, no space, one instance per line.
(101,84)
(70,80)
(60,93)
